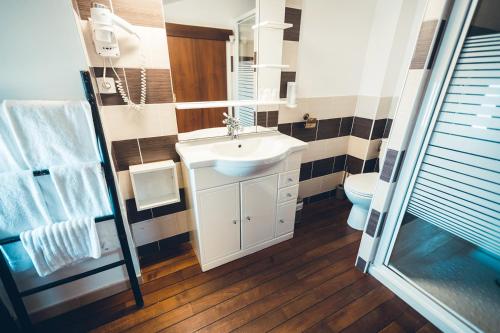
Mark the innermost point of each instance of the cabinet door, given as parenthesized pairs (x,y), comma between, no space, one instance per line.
(258,210)
(285,219)
(219,220)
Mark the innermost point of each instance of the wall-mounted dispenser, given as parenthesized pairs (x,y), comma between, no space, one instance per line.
(291,95)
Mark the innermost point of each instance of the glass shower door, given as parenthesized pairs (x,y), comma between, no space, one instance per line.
(448,243)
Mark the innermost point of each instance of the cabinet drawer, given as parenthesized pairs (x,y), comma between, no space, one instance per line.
(289,178)
(285,219)
(288,193)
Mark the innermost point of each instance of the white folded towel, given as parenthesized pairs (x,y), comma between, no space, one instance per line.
(21,204)
(49,133)
(82,190)
(21,208)
(61,244)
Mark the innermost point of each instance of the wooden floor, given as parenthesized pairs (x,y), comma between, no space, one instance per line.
(308,283)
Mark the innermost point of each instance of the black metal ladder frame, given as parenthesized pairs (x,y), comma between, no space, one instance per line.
(16,296)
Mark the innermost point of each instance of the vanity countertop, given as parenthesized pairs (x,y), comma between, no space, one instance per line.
(245,152)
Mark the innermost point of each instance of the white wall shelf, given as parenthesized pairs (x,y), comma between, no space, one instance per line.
(272,25)
(224,104)
(154,184)
(279,66)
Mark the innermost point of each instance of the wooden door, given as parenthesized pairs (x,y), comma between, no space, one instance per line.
(219,221)
(258,210)
(199,72)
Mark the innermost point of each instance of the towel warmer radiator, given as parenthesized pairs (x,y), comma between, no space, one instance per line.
(16,296)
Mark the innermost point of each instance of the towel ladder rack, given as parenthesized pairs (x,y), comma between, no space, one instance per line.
(16,296)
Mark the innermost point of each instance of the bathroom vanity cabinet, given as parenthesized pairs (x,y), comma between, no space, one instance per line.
(233,216)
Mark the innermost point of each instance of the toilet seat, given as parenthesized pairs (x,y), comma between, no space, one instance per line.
(362,184)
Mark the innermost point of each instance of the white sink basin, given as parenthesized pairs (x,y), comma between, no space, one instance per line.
(240,157)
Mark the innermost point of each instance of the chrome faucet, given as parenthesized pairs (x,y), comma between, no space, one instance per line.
(233,125)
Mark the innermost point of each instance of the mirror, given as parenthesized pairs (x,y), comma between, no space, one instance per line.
(218,56)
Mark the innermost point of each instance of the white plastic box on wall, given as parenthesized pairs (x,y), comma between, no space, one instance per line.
(155,184)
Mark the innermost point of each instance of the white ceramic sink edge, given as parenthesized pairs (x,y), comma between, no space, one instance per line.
(243,156)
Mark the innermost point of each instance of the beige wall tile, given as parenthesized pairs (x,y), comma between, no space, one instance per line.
(310,187)
(358,147)
(123,123)
(384,107)
(125,185)
(366,106)
(290,51)
(320,149)
(294,4)
(373,149)
(329,182)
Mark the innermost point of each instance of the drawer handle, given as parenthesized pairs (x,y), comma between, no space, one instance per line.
(282,221)
(290,179)
(248,218)
(289,195)
(235,221)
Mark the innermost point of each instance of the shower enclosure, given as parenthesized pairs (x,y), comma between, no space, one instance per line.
(440,250)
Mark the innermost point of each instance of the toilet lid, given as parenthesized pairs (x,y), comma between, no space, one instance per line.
(362,184)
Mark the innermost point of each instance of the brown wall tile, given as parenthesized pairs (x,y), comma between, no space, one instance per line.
(388,167)
(285,78)
(262,119)
(387,129)
(305,171)
(378,129)
(354,165)
(362,127)
(305,134)
(159,148)
(125,153)
(339,164)
(372,222)
(292,15)
(370,165)
(285,128)
(346,126)
(148,13)
(272,118)
(133,215)
(158,86)
(322,167)
(423,46)
(328,128)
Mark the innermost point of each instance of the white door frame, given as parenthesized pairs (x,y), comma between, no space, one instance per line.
(449,50)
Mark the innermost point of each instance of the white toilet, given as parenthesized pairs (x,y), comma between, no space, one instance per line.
(359,189)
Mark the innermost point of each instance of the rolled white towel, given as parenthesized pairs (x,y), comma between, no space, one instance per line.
(55,246)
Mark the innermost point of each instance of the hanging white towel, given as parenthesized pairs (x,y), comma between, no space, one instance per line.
(82,190)
(10,156)
(21,208)
(61,244)
(49,133)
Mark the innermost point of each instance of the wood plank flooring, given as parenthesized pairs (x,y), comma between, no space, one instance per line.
(306,284)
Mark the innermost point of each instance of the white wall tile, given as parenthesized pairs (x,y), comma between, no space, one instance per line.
(358,147)
(435,9)
(125,123)
(405,115)
(153,45)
